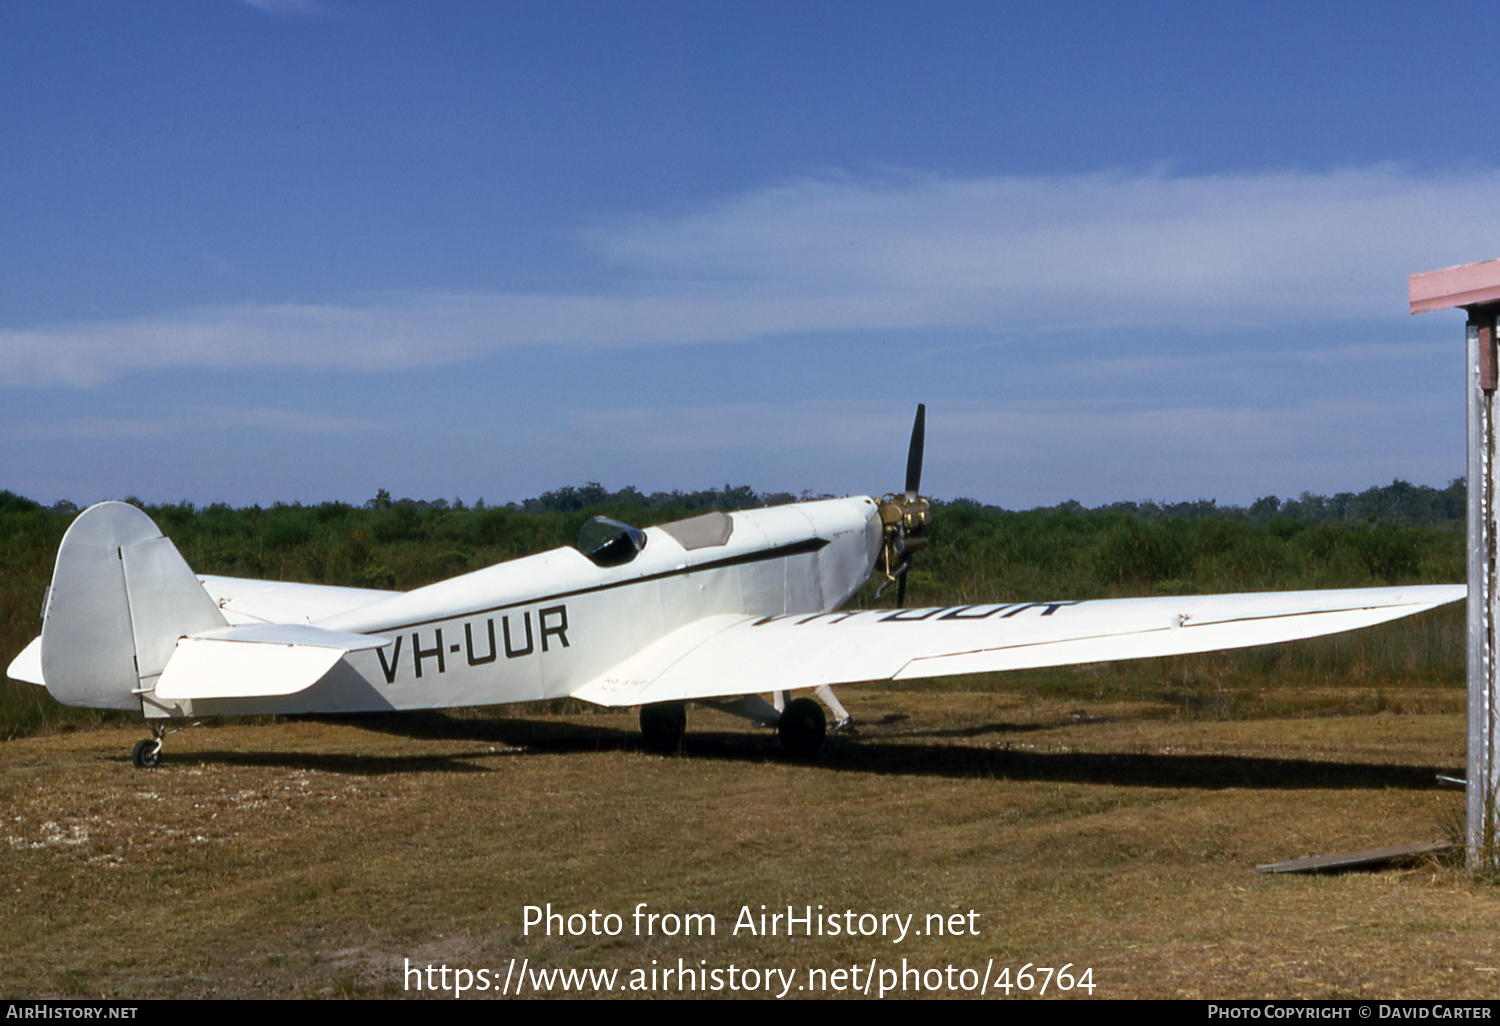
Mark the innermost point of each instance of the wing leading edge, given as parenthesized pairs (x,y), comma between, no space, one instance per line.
(732,655)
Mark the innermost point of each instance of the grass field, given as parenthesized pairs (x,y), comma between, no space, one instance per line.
(1114,832)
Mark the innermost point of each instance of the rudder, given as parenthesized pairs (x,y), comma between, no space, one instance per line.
(121,596)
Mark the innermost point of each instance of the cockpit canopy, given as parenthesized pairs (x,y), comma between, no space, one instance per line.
(610,543)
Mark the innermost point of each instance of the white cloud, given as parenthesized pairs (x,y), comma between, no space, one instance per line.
(286,8)
(1104,248)
(1099,252)
(1025,454)
(195,423)
(842,428)
(1043,452)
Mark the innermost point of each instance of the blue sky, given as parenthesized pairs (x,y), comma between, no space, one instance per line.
(299,250)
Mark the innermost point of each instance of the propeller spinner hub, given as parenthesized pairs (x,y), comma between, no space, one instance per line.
(905,520)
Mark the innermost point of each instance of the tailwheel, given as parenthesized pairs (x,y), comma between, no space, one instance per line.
(802,728)
(146,754)
(662,726)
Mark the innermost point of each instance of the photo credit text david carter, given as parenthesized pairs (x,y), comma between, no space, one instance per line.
(1349,1010)
(878,976)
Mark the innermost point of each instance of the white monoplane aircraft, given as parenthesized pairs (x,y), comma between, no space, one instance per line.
(714,609)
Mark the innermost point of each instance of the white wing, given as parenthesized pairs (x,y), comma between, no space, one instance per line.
(734,655)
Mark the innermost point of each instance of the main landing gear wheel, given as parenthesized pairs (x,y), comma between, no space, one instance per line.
(146,754)
(802,728)
(662,726)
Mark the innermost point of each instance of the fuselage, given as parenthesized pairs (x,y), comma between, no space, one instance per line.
(544,625)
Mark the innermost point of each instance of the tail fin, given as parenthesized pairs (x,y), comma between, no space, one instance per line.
(121,596)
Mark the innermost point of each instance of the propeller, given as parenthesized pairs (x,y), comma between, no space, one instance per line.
(905,518)
(914,453)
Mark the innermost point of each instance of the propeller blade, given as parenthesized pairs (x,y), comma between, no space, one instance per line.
(914,454)
(904,519)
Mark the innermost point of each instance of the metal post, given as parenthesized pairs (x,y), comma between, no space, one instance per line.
(1483,774)
(1476,288)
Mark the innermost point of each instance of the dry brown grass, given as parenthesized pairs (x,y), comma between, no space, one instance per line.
(314,858)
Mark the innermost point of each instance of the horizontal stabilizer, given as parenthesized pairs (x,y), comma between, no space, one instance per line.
(734,655)
(255,661)
(28,665)
(246,601)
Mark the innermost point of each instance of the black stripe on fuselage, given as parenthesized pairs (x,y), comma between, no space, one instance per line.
(800,548)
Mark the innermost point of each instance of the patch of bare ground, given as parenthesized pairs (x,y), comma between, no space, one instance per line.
(325,858)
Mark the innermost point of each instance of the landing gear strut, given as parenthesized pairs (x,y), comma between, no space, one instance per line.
(802,728)
(662,726)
